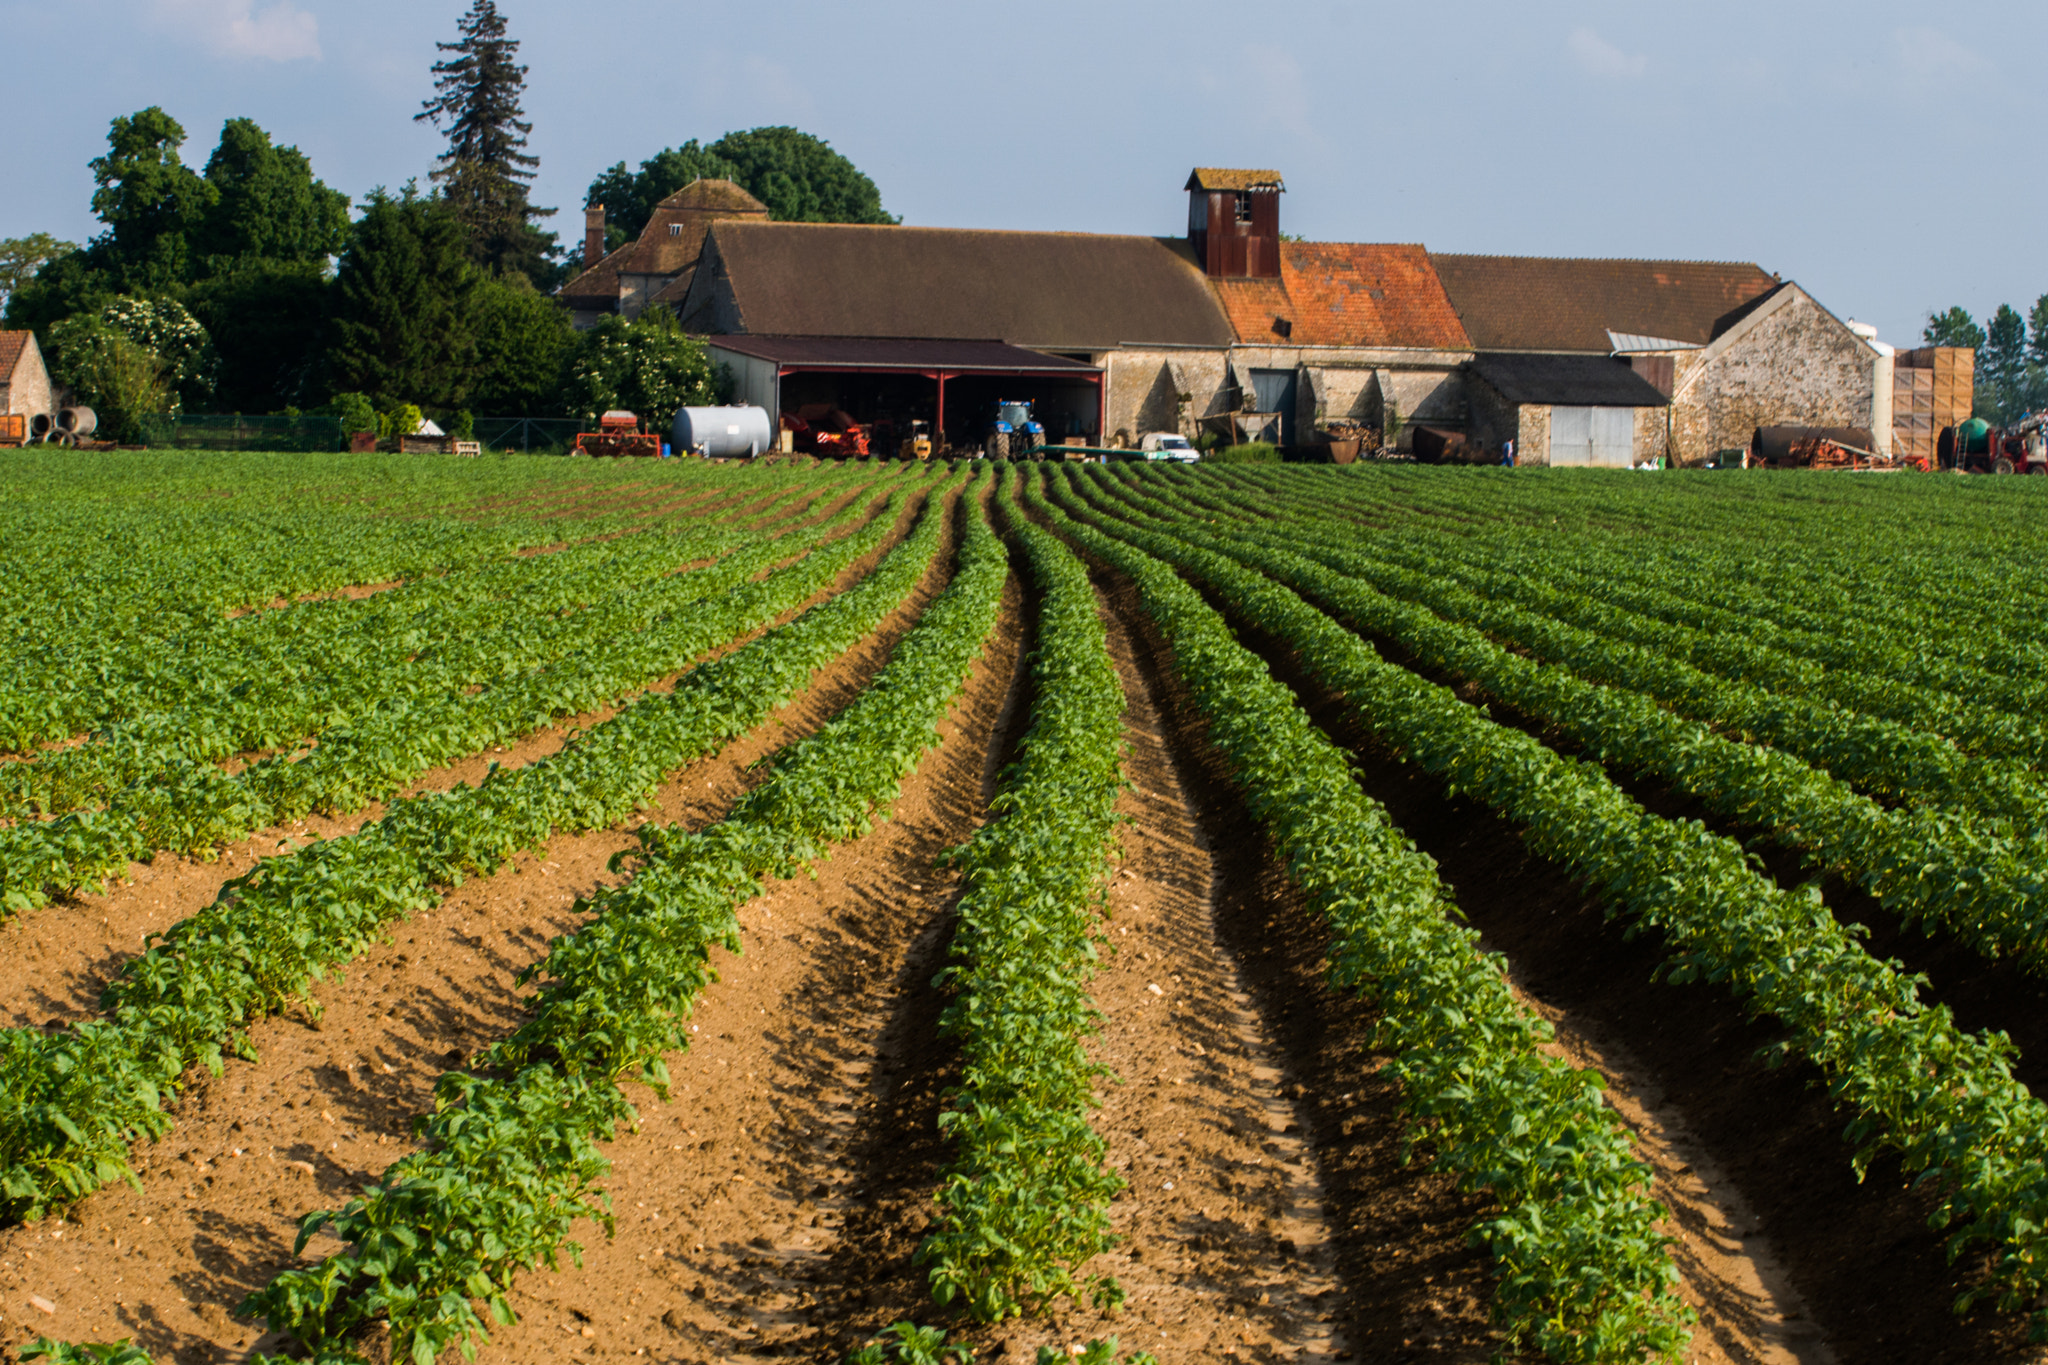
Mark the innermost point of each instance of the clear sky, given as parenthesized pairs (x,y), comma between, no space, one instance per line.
(1885,155)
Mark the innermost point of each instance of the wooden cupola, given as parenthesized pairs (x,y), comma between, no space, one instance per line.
(1234,222)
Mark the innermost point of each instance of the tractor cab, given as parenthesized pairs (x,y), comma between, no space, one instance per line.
(1013,431)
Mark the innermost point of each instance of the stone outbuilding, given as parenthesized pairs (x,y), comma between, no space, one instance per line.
(1565,410)
(1731,346)
(655,267)
(25,389)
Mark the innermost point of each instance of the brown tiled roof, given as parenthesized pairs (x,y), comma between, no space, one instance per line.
(1219,178)
(660,251)
(1346,294)
(1056,290)
(12,344)
(1541,303)
(1573,380)
(901,353)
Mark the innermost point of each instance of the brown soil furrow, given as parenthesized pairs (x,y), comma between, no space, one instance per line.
(326,1106)
(1301,1233)
(62,954)
(1729,1134)
(805,1110)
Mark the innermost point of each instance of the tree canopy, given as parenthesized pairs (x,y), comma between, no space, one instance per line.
(486,171)
(401,329)
(798,176)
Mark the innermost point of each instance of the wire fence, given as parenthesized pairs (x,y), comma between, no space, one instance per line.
(309,432)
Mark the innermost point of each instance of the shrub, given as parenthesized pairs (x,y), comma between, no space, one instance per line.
(356,413)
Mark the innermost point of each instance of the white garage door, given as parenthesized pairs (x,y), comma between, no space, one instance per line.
(1593,436)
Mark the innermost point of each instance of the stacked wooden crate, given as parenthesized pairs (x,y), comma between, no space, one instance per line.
(1932,387)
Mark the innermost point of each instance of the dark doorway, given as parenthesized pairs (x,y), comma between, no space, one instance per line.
(1274,390)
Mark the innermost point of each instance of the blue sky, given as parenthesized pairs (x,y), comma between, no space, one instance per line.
(1885,155)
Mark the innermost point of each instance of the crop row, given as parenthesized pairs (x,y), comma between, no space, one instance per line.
(99,587)
(269,680)
(1943,1100)
(1884,758)
(1981,885)
(509,1158)
(1582,1273)
(191,805)
(1025,1199)
(73,1101)
(1893,671)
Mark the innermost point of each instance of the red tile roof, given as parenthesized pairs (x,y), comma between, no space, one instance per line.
(1541,303)
(12,345)
(1346,294)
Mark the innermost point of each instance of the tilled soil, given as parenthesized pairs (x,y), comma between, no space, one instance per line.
(329,1103)
(55,960)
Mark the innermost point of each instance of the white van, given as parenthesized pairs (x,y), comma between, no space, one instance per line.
(1168,445)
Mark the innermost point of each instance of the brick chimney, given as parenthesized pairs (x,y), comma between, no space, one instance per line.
(593,236)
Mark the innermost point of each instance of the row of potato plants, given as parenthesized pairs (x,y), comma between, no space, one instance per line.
(1025,1199)
(73,1101)
(103,595)
(1866,670)
(1756,592)
(1943,1100)
(192,805)
(1887,759)
(1582,1272)
(1920,561)
(1944,869)
(467,628)
(271,679)
(509,1159)
(1884,672)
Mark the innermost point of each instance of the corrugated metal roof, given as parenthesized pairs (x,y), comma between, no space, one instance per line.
(1057,290)
(1222,178)
(1541,303)
(894,353)
(1571,380)
(1625,343)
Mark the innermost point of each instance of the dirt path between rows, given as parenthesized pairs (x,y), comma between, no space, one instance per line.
(328,1105)
(54,960)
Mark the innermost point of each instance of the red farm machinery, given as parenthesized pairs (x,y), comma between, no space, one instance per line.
(618,433)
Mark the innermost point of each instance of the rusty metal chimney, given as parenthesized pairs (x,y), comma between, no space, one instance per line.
(593,236)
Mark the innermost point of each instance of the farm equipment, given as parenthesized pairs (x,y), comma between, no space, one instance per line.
(618,433)
(918,444)
(1789,447)
(825,431)
(1977,447)
(1013,432)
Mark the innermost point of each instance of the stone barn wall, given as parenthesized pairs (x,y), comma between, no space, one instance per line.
(1796,363)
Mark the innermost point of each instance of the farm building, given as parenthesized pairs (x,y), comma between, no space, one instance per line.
(24,382)
(1565,409)
(1731,347)
(656,266)
(1239,329)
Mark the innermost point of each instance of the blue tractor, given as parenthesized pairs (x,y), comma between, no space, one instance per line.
(1013,433)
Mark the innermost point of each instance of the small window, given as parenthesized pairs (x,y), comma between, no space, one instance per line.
(675,229)
(1244,206)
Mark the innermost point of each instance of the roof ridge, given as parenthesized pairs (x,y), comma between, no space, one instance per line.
(1601,260)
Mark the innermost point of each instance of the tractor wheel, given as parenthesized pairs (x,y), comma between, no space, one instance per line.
(1033,447)
(2001,465)
(998,446)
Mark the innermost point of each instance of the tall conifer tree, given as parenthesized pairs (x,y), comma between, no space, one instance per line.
(485,172)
